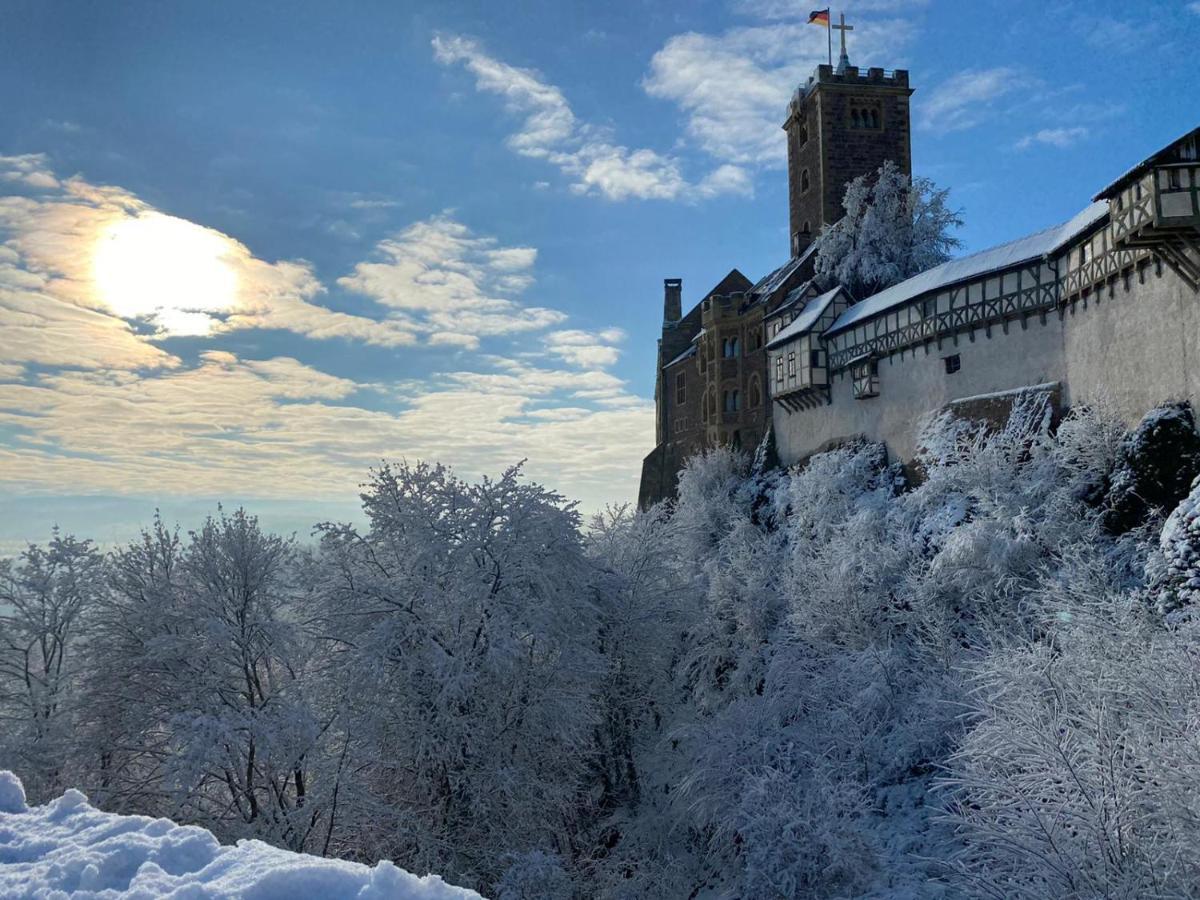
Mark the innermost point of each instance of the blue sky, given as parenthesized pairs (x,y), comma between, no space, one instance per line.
(249,249)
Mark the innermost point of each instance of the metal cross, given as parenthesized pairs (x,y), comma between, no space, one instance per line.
(843,28)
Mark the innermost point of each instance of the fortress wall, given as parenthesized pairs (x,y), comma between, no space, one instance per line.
(1141,346)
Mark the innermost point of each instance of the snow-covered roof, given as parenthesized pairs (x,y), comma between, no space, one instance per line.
(770,283)
(1005,256)
(807,319)
(690,351)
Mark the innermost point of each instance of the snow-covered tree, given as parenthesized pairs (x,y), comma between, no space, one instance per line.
(892,229)
(198,694)
(46,596)
(465,624)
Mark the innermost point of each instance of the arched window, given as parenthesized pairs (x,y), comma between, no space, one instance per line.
(807,228)
(804,180)
(734,349)
(755,393)
(737,401)
(855,119)
(704,407)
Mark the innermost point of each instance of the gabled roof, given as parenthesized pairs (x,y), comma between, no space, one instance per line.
(1168,154)
(808,318)
(771,282)
(1030,247)
(732,283)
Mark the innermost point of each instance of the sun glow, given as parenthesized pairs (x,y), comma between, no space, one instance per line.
(167,270)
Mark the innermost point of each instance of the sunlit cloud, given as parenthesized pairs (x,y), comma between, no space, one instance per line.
(94,282)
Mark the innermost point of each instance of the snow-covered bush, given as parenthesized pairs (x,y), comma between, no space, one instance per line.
(1157,464)
(1174,572)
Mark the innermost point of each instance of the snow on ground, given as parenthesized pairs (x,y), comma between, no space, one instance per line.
(68,850)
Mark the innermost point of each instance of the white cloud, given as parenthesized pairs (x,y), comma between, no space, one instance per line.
(278,428)
(1053,137)
(587,349)
(801,9)
(1116,35)
(551,131)
(734,87)
(449,283)
(1194,7)
(968,98)
(30,169)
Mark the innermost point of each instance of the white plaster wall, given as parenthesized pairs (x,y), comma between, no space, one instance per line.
(911,387)
(1141,346)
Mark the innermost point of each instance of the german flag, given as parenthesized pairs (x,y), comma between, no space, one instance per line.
(819,17)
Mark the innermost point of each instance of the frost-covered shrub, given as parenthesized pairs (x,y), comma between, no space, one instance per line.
(536,875)
(1175,571)
(801,834)
(1157,464)
(1077,777)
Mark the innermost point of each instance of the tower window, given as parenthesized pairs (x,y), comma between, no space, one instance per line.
(680,388)
(802,136)
(807,229)
(953,363)
(863,116)
(804,180)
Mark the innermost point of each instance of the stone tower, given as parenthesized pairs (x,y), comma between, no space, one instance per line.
(844,122)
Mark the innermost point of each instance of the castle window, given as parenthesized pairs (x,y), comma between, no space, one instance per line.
(737,401)
(1084,253)
(791,365)
(755,394)
(802,136)
(680,387)
(953,363)
(865,117)
(929,308)
(779,369)
(807,229)
(804,181)
(1173,179)
(734,349)
(814,359)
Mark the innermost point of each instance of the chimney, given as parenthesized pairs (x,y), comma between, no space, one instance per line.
(672,300)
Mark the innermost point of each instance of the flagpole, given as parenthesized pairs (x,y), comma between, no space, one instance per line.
(829,37)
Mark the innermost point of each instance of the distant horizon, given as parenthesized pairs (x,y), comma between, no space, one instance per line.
(247,255)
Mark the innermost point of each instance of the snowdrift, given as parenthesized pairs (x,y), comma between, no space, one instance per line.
(68,849)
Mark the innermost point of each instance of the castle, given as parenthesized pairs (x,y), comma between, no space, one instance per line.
(1108,302)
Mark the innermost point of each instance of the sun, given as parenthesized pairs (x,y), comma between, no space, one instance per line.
(167,270)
